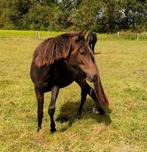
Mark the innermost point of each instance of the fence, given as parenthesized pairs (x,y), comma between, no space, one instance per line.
(123,35)
(44,34)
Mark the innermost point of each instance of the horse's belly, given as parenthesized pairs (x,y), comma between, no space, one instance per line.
(64,83)
(47,86)
(59,74)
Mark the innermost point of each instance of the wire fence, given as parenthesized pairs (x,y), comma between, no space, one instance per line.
(45,34)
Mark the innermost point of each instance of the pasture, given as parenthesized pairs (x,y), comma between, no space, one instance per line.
(123,68)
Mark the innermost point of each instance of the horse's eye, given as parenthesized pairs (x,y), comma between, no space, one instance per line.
(82,52)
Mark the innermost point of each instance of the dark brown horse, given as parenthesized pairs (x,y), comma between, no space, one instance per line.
(91,39)
(59,61)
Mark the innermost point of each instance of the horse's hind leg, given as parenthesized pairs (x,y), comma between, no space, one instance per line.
(40,100)
(51,108)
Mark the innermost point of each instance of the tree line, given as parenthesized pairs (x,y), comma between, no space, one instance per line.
(98,15)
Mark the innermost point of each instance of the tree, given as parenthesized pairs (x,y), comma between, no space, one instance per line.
(101,16)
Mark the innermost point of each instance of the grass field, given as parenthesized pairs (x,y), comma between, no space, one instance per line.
(123,68)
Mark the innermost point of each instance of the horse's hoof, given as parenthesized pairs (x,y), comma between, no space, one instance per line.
(102,113)
(77,117)
(53,130)
(62,119)
(99,110)
(95,110)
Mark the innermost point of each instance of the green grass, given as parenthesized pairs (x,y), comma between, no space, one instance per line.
(26,34)
(123,69)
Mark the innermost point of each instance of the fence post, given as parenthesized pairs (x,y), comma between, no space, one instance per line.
(35,34)
(137,36)
(118,34)
(38,35)
(47,33)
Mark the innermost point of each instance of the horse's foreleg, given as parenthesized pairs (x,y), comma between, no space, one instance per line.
(83,99)
(94,97)
(88,90)
(40,100)
(51,108)
(84,92)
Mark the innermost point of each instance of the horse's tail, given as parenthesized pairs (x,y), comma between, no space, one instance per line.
(100,92)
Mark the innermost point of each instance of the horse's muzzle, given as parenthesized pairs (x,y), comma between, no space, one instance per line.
(92,78)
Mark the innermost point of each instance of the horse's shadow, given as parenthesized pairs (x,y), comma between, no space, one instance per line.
(69,109)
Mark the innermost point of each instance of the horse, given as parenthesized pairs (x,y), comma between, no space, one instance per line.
(91,39)
(59,61)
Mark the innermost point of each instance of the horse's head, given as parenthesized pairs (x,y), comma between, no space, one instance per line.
(82,56)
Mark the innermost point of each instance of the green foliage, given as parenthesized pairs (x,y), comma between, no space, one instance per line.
(37,18)
(85,16)
(58,18)
(111,16)
(101,16)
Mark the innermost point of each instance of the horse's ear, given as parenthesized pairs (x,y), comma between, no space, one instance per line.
(80,36)
(84,33)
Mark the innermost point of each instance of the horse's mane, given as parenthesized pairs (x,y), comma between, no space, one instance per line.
(53,49)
